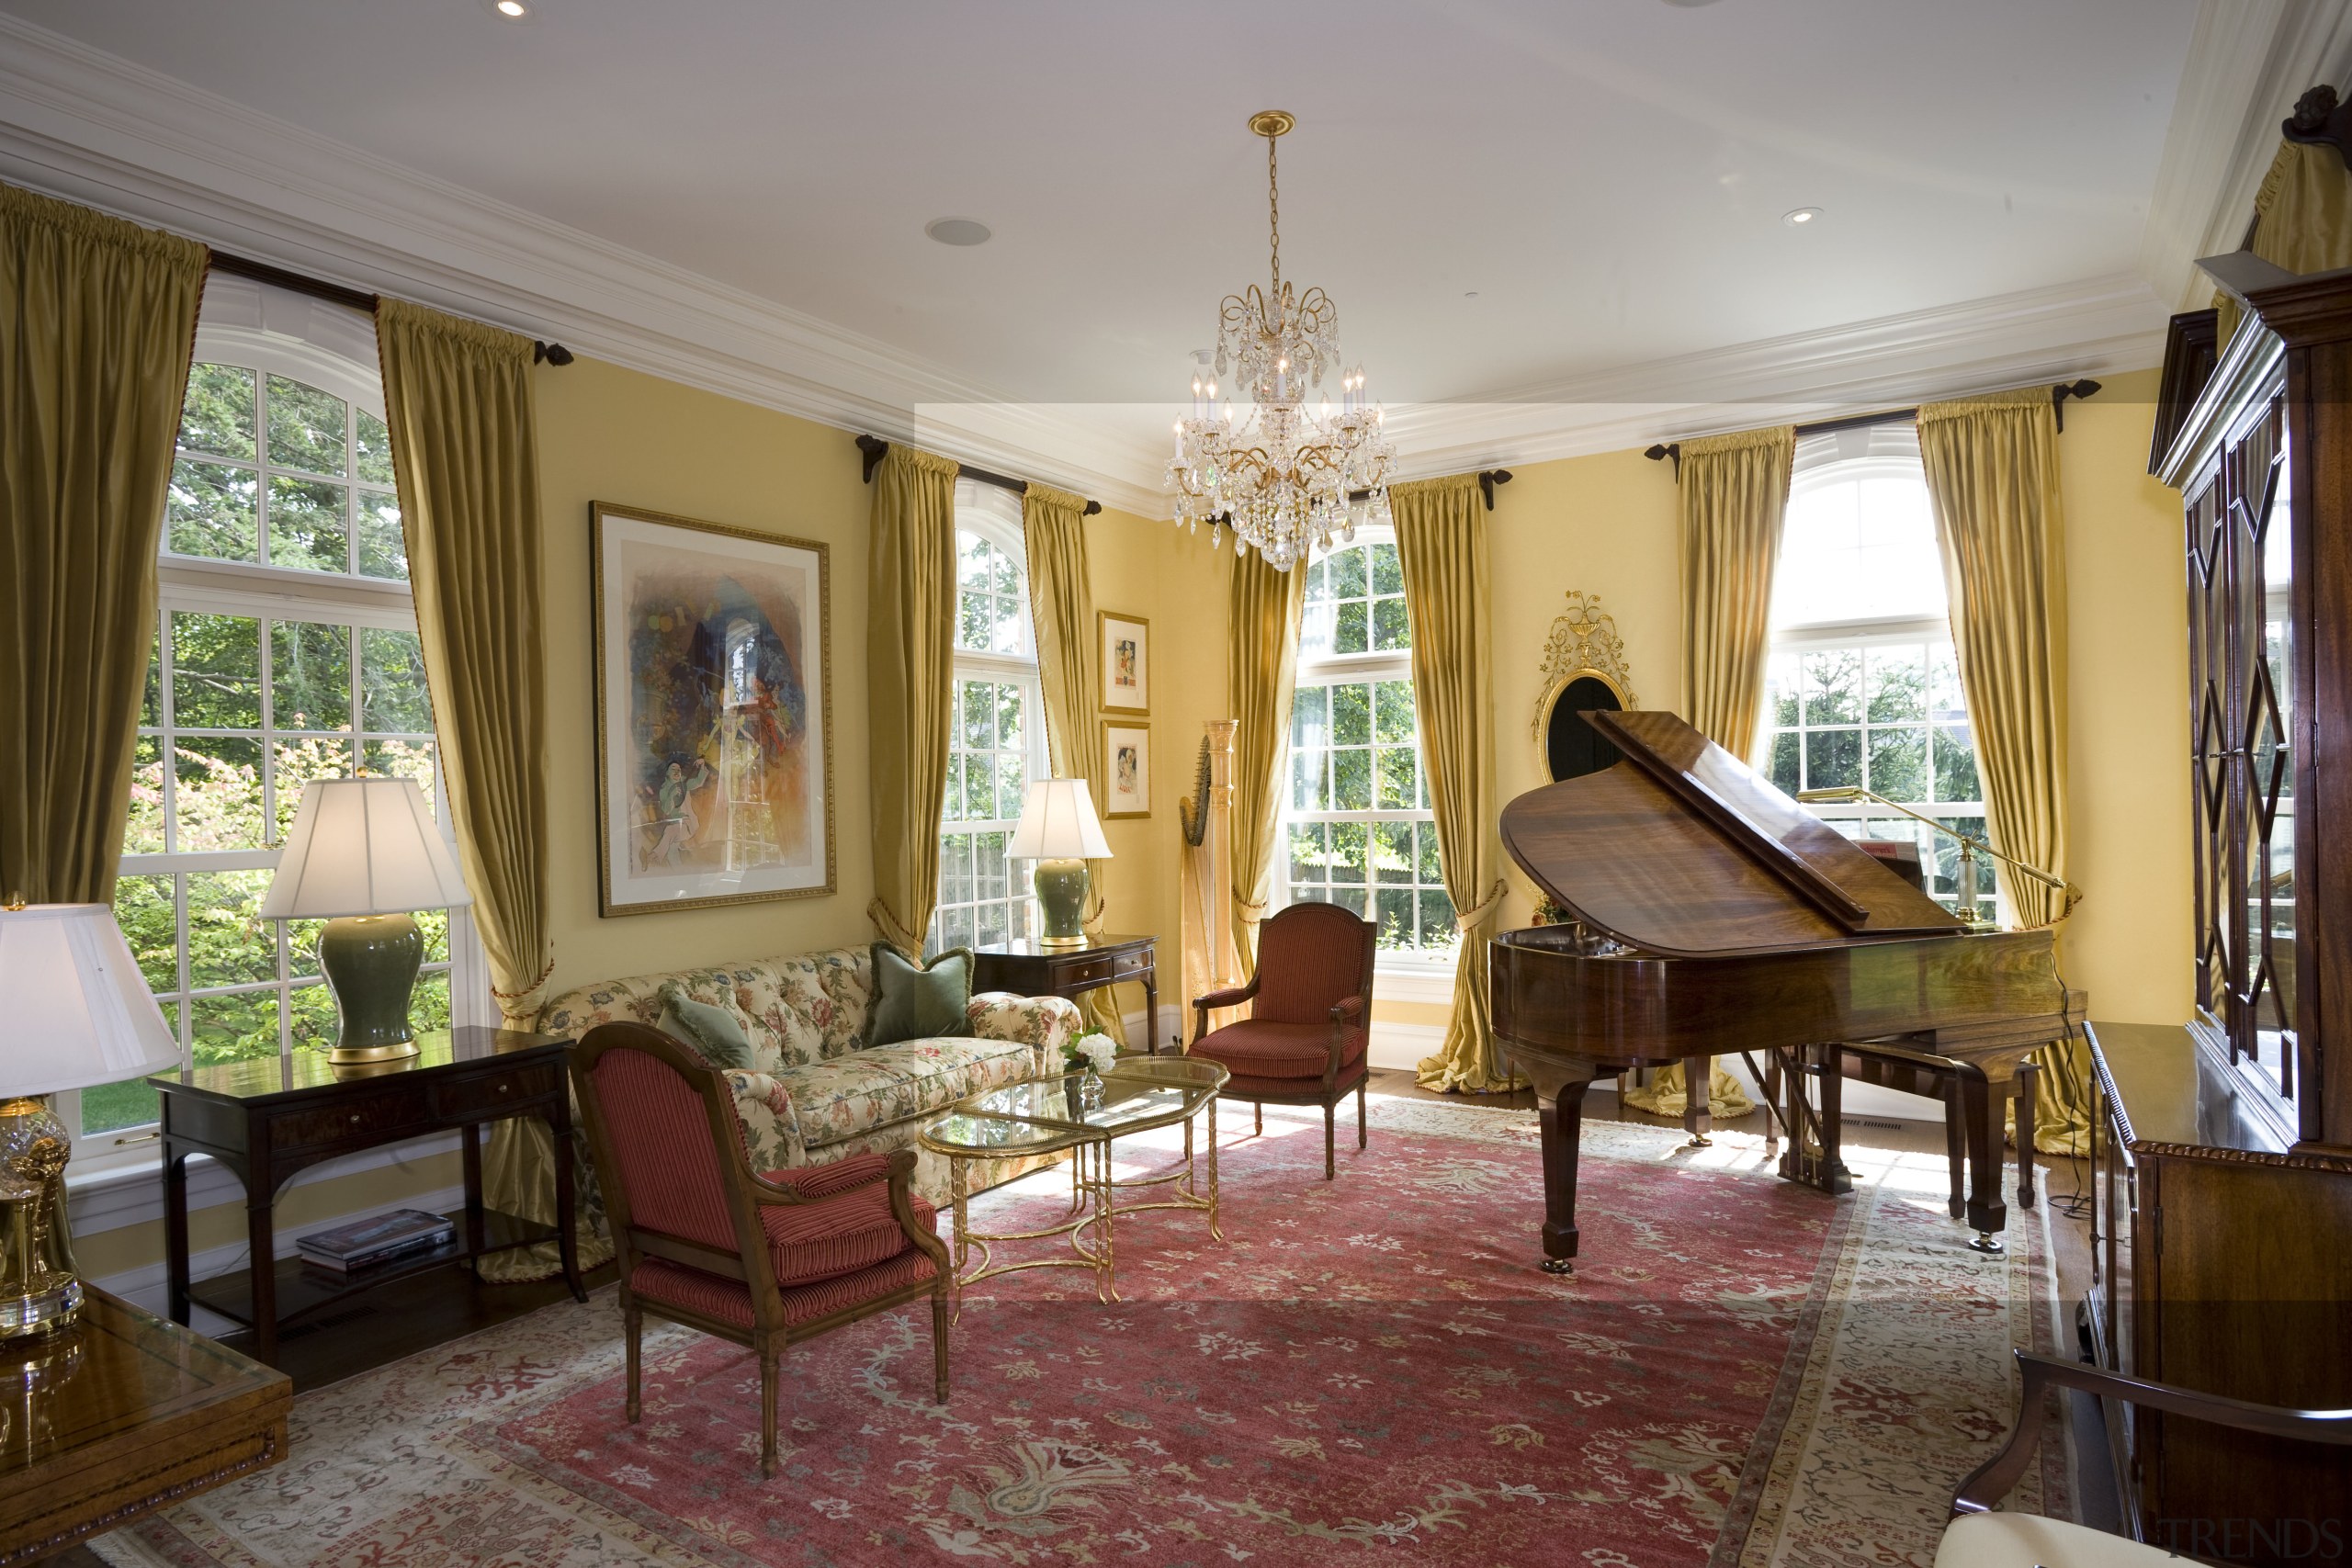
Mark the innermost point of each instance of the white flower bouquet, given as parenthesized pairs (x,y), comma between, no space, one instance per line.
(1096,1051)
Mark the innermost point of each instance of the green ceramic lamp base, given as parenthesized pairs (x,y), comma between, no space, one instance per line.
(371,963)
(1061,893)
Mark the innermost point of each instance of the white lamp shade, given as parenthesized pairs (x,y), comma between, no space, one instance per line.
(363,847)
(79,1011)
(1057,823)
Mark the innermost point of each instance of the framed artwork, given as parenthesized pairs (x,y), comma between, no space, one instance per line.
(1126,757)
(1126,662)
(713,714)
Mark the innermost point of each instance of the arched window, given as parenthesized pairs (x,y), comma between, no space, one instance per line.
(997,739)
(1357,823)
(284,651)
(1863,687)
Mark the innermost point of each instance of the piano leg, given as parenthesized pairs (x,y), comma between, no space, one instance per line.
(1987,1215)
(1813,1156)
(1698,1101)
(1559,1105)
(1956,1144)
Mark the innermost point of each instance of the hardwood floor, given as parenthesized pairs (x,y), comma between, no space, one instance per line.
(436,1308)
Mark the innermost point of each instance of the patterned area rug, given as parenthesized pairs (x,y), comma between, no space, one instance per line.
(1742,1372)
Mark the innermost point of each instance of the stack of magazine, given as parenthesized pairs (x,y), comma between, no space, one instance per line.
(380,1238)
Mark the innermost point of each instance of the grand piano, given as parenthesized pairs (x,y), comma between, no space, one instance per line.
(1712,915)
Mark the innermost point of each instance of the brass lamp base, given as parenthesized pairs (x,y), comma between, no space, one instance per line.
(39,1291)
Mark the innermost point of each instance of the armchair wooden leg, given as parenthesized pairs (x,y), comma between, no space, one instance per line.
(1260,1113)
(768,1359)
(1361,1125)
(633,1321)
(1330,1135)
(939,1344)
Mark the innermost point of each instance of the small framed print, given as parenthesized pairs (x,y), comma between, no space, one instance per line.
(1126,662)
(1126,759)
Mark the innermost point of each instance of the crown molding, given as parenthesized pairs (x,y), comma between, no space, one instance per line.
(2248,61)
(2096,327)
(92,126)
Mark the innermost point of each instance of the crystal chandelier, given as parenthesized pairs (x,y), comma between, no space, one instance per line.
(1282,476)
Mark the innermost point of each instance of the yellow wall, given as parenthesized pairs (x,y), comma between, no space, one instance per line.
(1177,582)
(2129,945)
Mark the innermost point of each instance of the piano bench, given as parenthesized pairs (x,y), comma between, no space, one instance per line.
(1935,1078)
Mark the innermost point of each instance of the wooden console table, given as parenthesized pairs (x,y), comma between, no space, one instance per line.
(1030,969)
(268,1119)
(121,1413)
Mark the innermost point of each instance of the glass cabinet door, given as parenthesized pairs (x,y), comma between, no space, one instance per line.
(2209,744)
(2262,543)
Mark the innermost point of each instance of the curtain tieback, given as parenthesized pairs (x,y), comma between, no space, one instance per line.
(892,931)
(1466,923)
(1250,910)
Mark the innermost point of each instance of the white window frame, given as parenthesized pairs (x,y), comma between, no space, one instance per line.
(993,514)
(1873,452)
(266,594)
(1432,968)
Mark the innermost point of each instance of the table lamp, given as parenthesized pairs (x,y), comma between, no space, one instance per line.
(79,1015)
(363,855)
(1059,830)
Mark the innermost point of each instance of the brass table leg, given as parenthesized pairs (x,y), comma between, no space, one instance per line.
(1106,1286)
(958,1184)
(1188,1128)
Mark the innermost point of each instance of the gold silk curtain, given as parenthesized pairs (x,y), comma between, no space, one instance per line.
(1441,542)
(1734,495)
(465,459)
(2302,219)
(96,320)
(1261,674)
(1061,605)
(1991,465)
(1735,492)
(911,683)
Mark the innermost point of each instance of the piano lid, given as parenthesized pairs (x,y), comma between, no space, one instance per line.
(1682,849)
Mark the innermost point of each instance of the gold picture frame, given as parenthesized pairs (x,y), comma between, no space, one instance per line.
(714,745)
(1122,644)
(1127,781)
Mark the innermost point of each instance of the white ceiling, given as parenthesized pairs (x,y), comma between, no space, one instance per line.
(1608,175)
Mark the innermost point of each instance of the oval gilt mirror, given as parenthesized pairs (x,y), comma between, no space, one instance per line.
(1571,747)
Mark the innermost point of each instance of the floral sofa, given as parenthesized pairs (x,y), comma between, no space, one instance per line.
(817,1094)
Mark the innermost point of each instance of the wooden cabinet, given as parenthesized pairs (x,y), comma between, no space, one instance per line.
(2219,1263)
(2222,1242)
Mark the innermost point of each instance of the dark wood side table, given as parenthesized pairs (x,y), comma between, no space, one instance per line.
(120,1415)
(268,1119)
(1031,969)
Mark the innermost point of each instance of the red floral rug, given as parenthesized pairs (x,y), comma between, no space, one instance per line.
(1742,1371)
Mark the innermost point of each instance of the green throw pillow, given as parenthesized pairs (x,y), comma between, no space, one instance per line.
(715,1031)
(923,1002)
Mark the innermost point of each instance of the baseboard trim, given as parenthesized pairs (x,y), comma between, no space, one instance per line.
(1401,1046)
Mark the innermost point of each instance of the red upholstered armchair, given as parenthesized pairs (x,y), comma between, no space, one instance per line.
(763,1260)
(1303,1040)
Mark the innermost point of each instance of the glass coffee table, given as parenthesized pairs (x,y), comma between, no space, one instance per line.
(1048,1115)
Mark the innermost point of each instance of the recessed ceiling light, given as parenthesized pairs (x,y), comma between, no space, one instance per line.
(957,230)
(1801,216)
(1469,294)
(1690,4)
(510,10)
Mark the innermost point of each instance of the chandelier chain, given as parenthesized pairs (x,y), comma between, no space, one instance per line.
(1274,214)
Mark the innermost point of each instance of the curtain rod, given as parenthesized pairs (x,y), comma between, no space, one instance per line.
(873,446)
(2058,395)
(1487,479)
(342,293)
